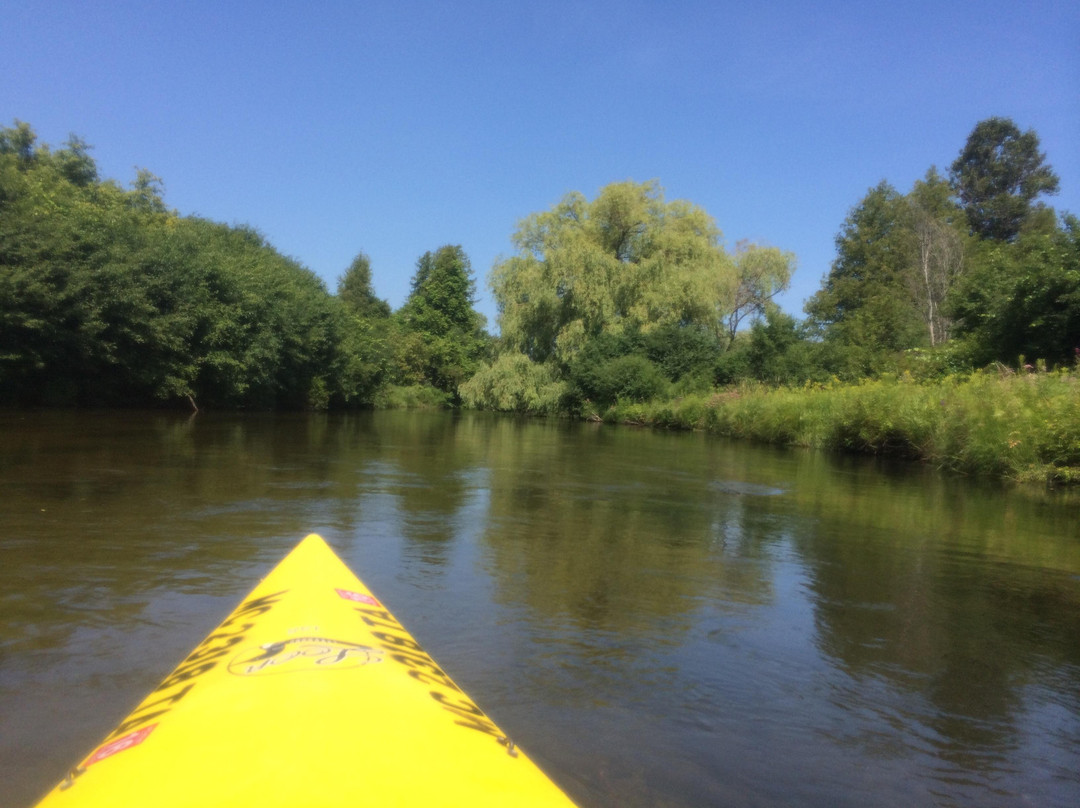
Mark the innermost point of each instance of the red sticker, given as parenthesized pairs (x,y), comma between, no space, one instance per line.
(120,744)
(357,597)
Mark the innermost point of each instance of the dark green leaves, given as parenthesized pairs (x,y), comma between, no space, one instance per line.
(108,299)
(442,334)
(998,175)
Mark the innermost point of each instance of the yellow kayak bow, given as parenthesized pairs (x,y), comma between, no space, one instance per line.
(312,694)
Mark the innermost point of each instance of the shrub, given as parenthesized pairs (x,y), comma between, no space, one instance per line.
(514,383)
(629,378)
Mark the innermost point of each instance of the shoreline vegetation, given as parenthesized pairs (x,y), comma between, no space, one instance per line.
(997,424)
(626,308)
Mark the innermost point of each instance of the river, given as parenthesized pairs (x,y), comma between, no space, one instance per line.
(659,619)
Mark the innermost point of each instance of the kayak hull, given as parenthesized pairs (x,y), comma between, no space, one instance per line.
(310,693)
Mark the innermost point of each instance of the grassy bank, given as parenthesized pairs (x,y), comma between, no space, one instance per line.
(1024,426)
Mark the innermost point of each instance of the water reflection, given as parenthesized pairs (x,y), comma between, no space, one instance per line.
(647,612)
(940,617)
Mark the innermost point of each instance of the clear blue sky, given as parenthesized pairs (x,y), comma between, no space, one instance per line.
(397,127)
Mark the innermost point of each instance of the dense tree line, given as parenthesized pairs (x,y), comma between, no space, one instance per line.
(108,298)
(959,272)
(628,298)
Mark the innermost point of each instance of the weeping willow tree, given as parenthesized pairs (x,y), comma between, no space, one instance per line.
(624,278)
(627,259)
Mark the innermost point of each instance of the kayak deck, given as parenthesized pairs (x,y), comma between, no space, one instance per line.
(310,693)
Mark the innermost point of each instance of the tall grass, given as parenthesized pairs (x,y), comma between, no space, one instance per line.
(1022,426)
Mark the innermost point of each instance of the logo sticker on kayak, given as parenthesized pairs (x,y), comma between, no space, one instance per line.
(357,597)
(120,744)
(298,654)
(106,751)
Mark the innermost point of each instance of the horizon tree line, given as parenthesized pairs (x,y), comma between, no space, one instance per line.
(108,298)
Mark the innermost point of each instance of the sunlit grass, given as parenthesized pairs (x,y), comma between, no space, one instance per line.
(1022,426)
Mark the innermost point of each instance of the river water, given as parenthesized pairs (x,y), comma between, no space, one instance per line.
(659,619)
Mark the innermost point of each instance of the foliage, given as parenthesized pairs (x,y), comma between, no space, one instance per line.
(356,292)
(973,258)
(1023,300)
(682,352)
(513,383)
(411,397)
(367,356)
(108,298)
(627,296)
(865,301)
(733,366)
(364,363)
(998,175)
(627,260)
(763,272)
(939,252)
(442,338)
(635,365)
(629,377)
(1022,426)
(779,352)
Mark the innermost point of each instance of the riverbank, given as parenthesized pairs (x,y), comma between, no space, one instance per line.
(1018,426)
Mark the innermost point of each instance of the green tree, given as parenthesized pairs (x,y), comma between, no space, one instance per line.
(442,335)
(368,335)
(107,298)
(865,302)
(147,192)
(997,177)
(73,315)
(75,162)
(258,329)
(19,141)
(356,291)
(939,251)
(629,377)
(778,351)
(1022,299)
(763,272)
(627,260)
(686,355)
(513,383)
